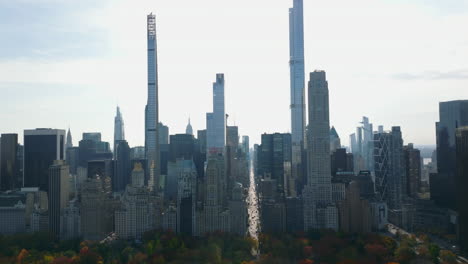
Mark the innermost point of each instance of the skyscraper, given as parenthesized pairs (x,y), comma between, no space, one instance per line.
(318,211)
(452,115)
(462,183)
(41,147)
(189,129)
(297,79)
(152,107)
(413,170)
(122,166)
(119,132)
(216,121)
(9,166)
(58,194)
(390,172)
(69,143)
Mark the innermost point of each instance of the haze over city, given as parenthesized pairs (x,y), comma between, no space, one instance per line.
(69,64)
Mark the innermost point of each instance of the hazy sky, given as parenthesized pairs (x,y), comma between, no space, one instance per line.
(71,62)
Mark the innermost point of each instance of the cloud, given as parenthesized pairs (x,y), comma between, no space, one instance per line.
(433,75)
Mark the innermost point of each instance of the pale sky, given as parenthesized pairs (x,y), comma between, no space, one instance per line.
(71,62)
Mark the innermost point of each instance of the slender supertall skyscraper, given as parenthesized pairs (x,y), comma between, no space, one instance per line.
(152,107)
(296,63)
(318,211)
(216,121)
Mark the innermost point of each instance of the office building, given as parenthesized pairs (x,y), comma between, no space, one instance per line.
(297,86)
(317,194)
(163,134)
(452,115)
(355,212)
(122,166)
(461,181)
(390,172)
(41,148)
(152,107)
(335,141)
(413,170)
(186,197)
(119,131)
(362,146)
(189,129)
(10,178)
(275,161)
(58,194)
(12,213)
(216,121)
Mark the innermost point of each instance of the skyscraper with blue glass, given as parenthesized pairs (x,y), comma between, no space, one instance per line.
(152,107)
(216,121)
(297,78)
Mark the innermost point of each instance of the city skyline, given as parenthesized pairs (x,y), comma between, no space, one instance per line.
(424,86)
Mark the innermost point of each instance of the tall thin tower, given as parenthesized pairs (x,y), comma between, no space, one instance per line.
(318,209)
(216,121)
(296,63)
(152,107)
(119,132)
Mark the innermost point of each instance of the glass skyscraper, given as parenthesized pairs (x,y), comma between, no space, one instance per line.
(152,107)
(216,121)
(297,78)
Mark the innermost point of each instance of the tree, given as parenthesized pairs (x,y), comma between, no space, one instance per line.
(448,257)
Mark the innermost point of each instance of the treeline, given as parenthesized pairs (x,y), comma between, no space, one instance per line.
(158,247)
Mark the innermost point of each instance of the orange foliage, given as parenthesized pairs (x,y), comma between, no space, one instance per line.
(306,261)
(23,253)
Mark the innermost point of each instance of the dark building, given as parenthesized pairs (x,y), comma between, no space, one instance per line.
(73,159)
(294,214)
(340,161)
(461,181)
(122,166)
(365,184)
(58,194)
(181,147)
(100,169)
(273,217)
(10,178)
(41,148)
(452,115)
(92,148)
(164,157)
(274,158)
(413,170)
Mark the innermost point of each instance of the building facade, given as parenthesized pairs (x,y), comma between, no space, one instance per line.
(152,107)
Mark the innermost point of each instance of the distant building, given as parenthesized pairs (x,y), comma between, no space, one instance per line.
(452,115)
(319,211)
(362,146)
(119,130)
(390,172)
(152,107)
(163,134)
(238,211)
(10,178)
(274,159)
(461,181)
(41,148)
(216,121)
(355,212)
(139,210)
(58,194)
(335,142)
(70,221)
(12,213)
(122,166)
(189,129)
(413,170)
(97,210)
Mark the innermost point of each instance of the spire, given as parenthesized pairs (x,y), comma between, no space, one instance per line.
(189,129)
(69,143)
